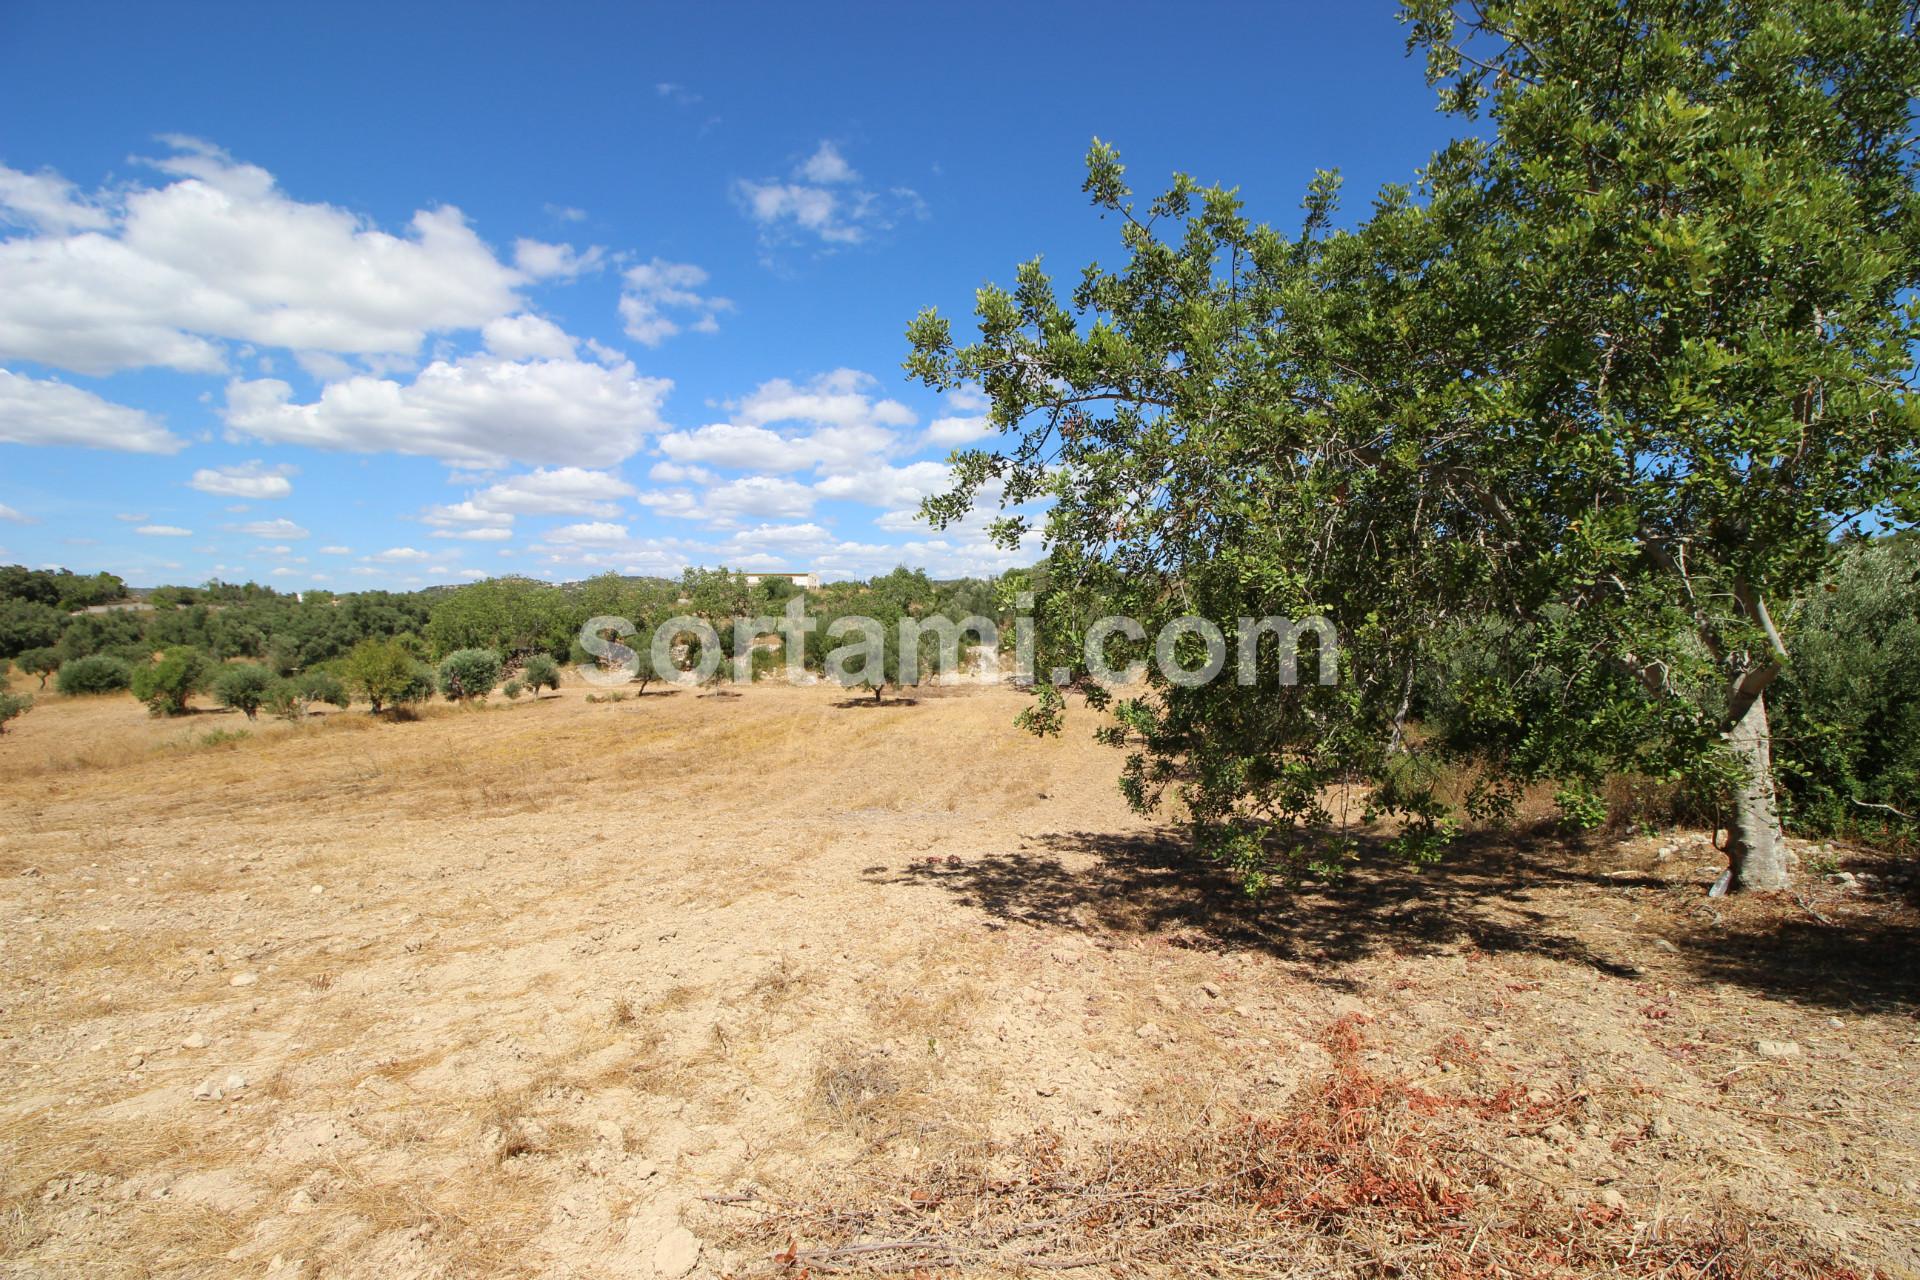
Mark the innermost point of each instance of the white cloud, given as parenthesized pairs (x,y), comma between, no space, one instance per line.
(397,555)
(675,473)
(49,412)
(481,410)
(271,530)
(958,430)
(14,516)
(840,399)
(482,534)
(553,491)
(822,200)
(46,201)
(655,289)
(220,253)
(566,213)
(766,497)
(336,551)
(678,94)
(474,575)
(539,260)
(131,517)
(527,337)
(885,486)
(827,165)
(597,534)
(253,479)
(164,531)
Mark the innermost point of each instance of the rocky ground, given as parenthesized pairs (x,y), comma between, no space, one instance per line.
(781,983)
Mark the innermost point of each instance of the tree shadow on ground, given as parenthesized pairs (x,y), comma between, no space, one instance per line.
(1497,893)
(854,704)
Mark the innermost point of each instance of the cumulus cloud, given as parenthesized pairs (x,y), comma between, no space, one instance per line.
(888,486)
(45,411)
(482,410)
(766,497)
(220,253)
(164,531)
(553,491)
(822,199)
(253,479)
(956,431)
(527,337)
(827,166)
(538,260)
(271,530)
(48,202)
(336,551)
(851,428)
(660,298)
(597,534)
(397,555)
(14,516)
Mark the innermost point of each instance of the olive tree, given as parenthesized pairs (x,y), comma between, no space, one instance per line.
(385,675)
(13,705)
(243,687)
(466,674)
(170,679)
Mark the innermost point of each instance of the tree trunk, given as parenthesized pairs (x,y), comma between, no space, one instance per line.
(1756,848)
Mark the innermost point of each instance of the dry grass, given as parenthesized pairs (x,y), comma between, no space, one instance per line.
(1363,1174)
(525,986)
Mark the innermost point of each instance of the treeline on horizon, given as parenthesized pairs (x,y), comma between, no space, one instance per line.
(1846,735)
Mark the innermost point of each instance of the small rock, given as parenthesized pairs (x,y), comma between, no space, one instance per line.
(676,1253)
(1149,1031)
(134,1061)
(1660,1127)
(1611,1199)
(207,1091)
(235,1083)
(1844,879)
(1213,992)
(1777,1048)
(243,979)
(299,1202)
(317,889)
(196,1040)
(1557,1133)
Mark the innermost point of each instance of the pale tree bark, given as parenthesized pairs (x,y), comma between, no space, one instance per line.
(1756,846)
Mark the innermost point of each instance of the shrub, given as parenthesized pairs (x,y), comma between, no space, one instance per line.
(321,686)
(97,673)
(513,688)
(466,674)
(11,705)
(385,674)
(166,683)
(541,671)
(41,662)
(243,687)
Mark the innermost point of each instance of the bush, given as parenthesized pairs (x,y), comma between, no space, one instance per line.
(97,673)
(385,674)
(166,683)
(513,689)
(292,697)
(243,687)
(466,674)
(11,705)
(1846,726)
(41,662)
(541,671)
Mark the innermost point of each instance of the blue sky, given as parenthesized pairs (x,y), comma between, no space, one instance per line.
(356,296)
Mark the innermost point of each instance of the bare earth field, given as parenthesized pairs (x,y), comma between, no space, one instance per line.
(773,985)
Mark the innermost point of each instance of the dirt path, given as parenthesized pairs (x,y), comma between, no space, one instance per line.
(553,989)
